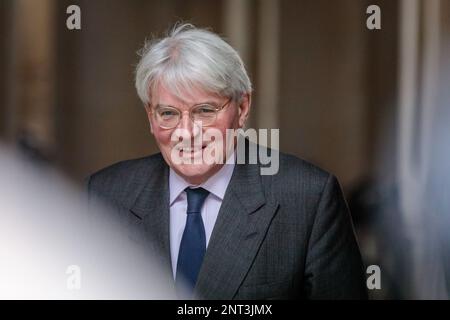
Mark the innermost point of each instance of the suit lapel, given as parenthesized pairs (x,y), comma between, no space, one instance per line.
(242,222)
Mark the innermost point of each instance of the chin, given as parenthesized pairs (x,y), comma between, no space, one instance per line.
(195,173)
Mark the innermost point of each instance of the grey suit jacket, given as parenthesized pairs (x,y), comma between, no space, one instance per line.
(283,236)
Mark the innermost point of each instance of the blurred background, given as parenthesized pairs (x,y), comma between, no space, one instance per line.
(371,106)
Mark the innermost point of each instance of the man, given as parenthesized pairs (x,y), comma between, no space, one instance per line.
(226,231)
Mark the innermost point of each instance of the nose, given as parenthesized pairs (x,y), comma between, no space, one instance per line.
(186,123)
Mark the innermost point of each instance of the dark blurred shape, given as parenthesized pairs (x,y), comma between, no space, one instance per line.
(376,216)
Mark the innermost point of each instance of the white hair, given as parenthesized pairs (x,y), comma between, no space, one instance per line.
(190,58)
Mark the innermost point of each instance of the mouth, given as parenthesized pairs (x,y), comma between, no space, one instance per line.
(188,150)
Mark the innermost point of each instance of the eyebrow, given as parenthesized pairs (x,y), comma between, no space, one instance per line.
(200,103)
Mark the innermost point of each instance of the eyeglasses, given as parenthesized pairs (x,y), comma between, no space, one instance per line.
(169,117)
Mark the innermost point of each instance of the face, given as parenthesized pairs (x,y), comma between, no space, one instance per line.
(233,116)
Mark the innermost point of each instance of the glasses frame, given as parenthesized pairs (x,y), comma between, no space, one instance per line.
(180,113)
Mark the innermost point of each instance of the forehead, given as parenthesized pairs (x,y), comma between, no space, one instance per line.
(187,98)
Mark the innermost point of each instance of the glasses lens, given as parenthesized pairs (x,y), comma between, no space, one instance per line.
(167,117)
(205,113)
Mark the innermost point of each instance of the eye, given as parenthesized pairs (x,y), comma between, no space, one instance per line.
(205,109)
(167,113)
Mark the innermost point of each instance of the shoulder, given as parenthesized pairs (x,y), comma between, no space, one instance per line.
(277,166)
(299,183)
(293,165)
(128,168)
(299,174)
(124,175)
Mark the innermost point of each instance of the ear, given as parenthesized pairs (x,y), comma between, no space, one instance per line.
(244,109)
(149,116)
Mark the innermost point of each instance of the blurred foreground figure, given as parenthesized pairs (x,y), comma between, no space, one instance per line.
(222,227)
(51,247)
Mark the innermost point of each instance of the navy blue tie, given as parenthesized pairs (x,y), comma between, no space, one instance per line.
(193,244)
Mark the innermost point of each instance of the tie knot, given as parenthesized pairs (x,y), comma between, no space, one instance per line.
(195,198)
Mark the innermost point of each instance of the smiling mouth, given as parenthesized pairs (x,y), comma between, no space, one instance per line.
(190,149)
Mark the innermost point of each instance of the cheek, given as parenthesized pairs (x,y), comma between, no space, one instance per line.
(223,127)
(230,121)
(162,137)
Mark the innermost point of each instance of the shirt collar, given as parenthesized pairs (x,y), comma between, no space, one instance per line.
(217,184)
